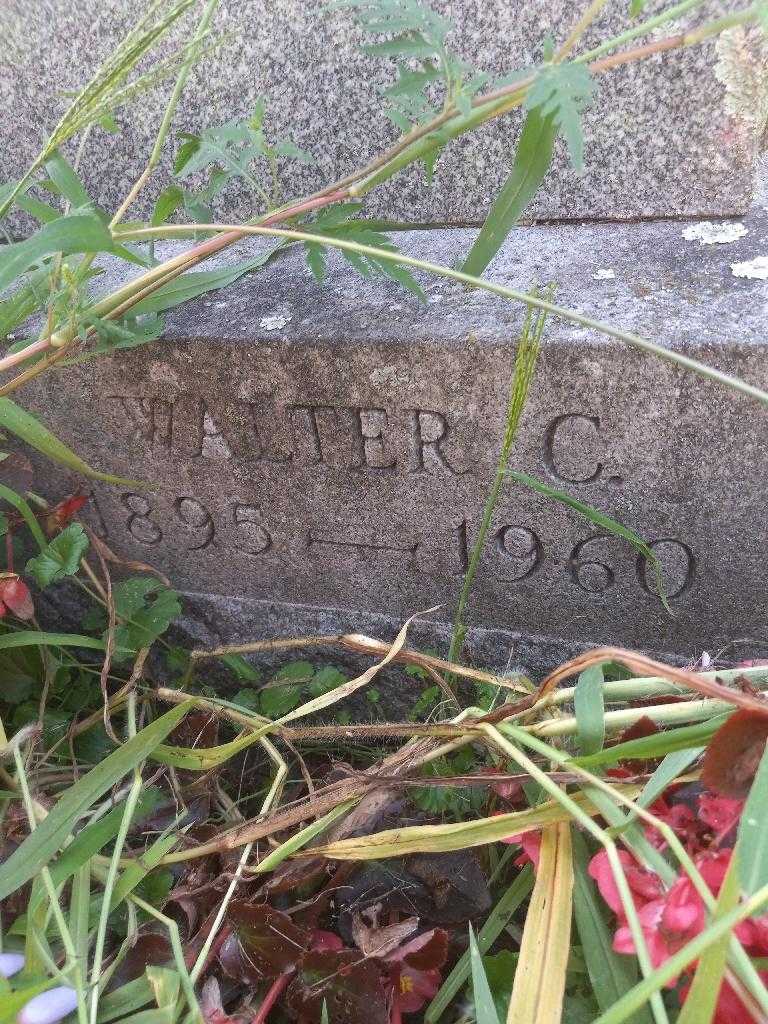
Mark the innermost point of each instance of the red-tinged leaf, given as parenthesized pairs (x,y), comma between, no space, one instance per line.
(264,943)
(211,1005)
(352,988)
(15,595)
(151,949)
(643,727)
(427,952)
(734,753)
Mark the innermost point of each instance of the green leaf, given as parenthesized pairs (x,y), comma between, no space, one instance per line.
(589,708)
(129,997)
(145,609)
(37,638)
(169,200)
(50,835)
(610,974)
(243,669)
(684,738)
(326,679)
(60,557)
(674,764)
(277,701)
(701,1001)
(752,842)
(532,161)
(21,423)
(599,518)
(485,1007)
(26,513)
(93,838)
(636,8)
(563,91)
(65,178)
(295,672)
(189,286)
(247,698)
(80,232)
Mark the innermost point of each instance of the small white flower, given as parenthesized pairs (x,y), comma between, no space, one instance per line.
(707,233)
(274,322)
(10,964)
(756,268)
(49,1007)
(604,275)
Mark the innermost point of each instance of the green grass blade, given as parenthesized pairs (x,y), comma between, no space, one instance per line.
(49,836)
(26,513)
(674,764)
(33,637)
(684,738)
(78,233)
(190,285)
(532,160)
(701,1001)
(605,522)
(485,1008)
(610,974)
(495,924)
(17,421)
(589,708)
(753,835)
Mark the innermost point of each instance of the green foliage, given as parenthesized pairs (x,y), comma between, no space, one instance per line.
(51,833)
(605,522)
(195,283)
(532,161)
(338,222)
(79,232)
(59,558)
(226,153)
(485,1004)
(279,700)
(24,425)
(562,92)
(589,709)
(145,608)
(243,669)
(752,845)
(418,37)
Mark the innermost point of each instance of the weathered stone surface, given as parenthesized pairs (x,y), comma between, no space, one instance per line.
(658,140)
(321,455)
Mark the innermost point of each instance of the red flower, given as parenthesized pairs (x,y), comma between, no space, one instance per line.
(415,969)
(15,597)
(643,885)
(720,812)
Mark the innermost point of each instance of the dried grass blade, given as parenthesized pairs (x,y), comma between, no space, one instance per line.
(456,835)
(537,993)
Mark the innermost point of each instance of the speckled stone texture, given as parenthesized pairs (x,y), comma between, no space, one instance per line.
(321,456)
(658,140)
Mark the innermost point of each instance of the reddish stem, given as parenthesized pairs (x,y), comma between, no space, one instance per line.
(276,989)
(9,548)
(396,1017)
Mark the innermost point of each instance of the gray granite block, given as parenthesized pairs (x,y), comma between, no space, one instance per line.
(659,141)
(321,455)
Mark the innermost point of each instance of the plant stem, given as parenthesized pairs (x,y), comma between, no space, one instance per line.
(170,110)
(525,365)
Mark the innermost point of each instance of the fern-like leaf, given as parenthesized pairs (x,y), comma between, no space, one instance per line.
(564,91)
